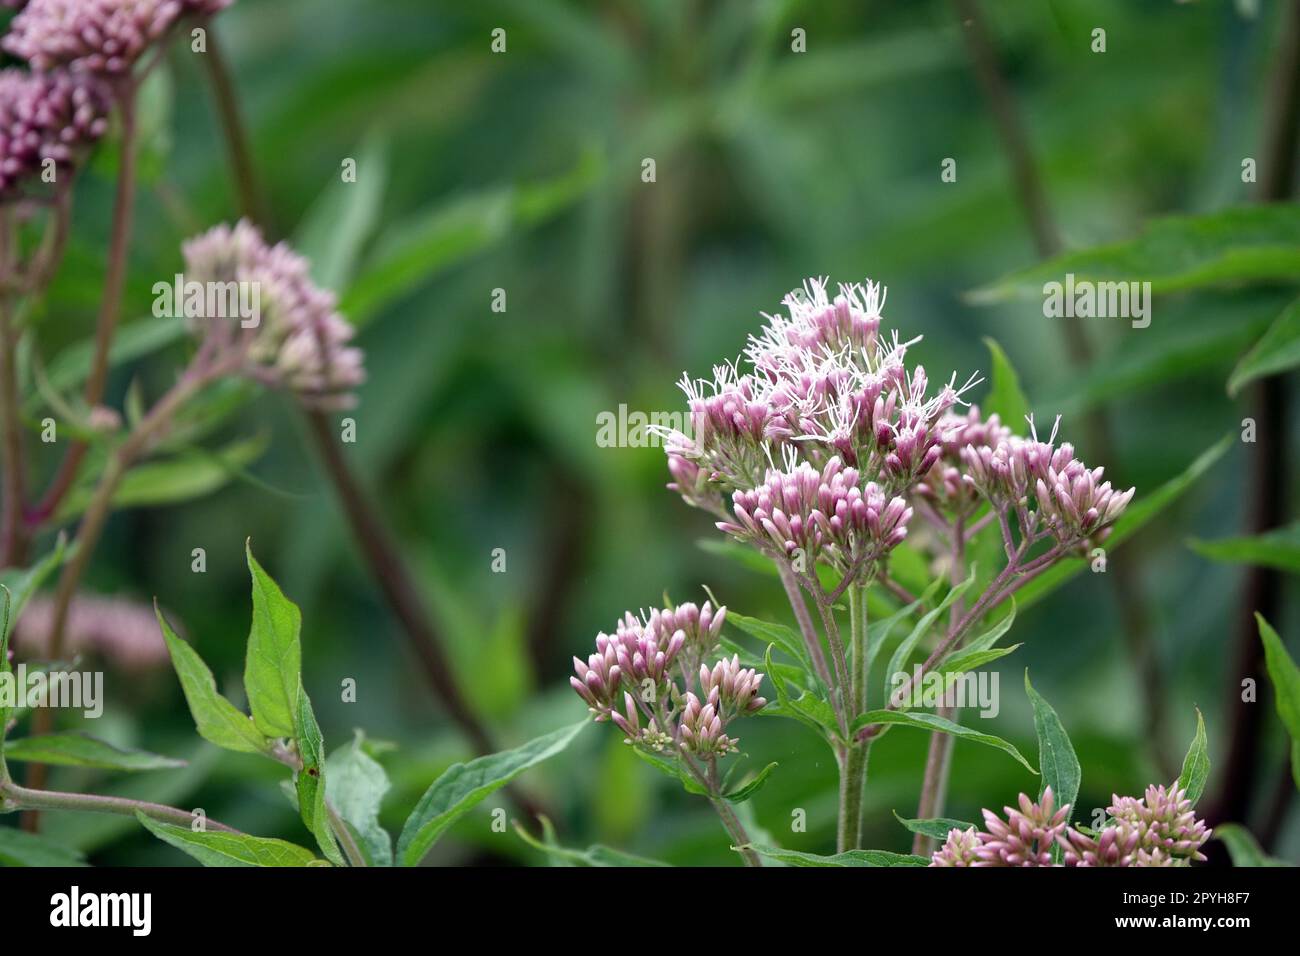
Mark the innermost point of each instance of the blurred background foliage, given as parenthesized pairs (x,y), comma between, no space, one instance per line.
(476,430)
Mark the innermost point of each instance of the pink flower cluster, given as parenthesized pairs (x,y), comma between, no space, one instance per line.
(301,342)
(46,118)
(1157,829)
(632,681)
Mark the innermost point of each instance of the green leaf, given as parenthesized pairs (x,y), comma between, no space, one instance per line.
(133,340)
(970,659)
(904,650)
(747,790)
(356,785)
(850,858)
(1277,351)
(1242,846)
(786,638)
(1005,397)
(596,855)
(181,477)
(273,669)
(217,719)
(937,828)
(878,631)
(219,848)
(1182,252)
(344,217)
(19,848)
(1279,548)
(807,708)
(1284,674)
(82,750)
(1196,765)
(435,239)
(309,782)
(1056,756)
(1143,509)
(670,767)
(926,721)
(463,786)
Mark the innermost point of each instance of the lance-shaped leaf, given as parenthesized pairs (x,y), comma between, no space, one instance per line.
(1284,674)
(1243,847)
(309,782)
(1277,351)
(1196,764)
(926,721)
(465,785)
(849,858)
(1056,757)
(219,848)
(83,750)
(904,649)
(274,665)
(937,828)
(216,718)
(1279,548)
(1005,397)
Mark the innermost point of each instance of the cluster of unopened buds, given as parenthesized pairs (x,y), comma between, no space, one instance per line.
(633,681)
(1157,829)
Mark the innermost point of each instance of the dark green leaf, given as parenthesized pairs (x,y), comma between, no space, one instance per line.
(463,786)
(851,858)
(1284,674)
(1005,397)
(1196,765)
(747,790)
(309,782)
(926,721)
(1243,848)
(1279,548)
(937,828)
(1278,351)
(1056,757)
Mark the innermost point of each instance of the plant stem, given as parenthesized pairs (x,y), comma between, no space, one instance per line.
(345,838)
(853,769)
(806,627)
(730,821)
(110,303)
(232,126)
(96,515)
(16,797)
(13,530)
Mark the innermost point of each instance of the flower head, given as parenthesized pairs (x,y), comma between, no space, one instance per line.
(1165,824)
(300,341)
(1026,837)
(1113,846)
(46,118)
(959,849)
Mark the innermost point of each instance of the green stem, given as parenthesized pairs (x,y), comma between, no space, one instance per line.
(340,828)
(853,770)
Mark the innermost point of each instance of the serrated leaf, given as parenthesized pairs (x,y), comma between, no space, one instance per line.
(926,721)
(273,668)
(356,785)
(1284,674)
(1005,397)
(217,719)
(1196,764)
(219,848)
(19,848)
(1279,548)
(1177,253)
(849,858)
(465,785)
(937,828)
(309,782)
(1056,757)
(83,750)
(1278,350)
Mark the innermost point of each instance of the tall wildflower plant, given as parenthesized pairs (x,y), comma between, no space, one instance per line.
(824,449)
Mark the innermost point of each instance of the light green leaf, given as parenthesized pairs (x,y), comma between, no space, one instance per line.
(219,848)
(217,719)
(82,750)
(1284,674)
(274,664)
(1196,765)
(937,828)
(971,659)
(1277,351)
(343,218)
(1056,756)
(786,638)
(1237,245)
(850,858)
(1242,846)
(926,721)
(463,786)
(597,855)
(1279,548)
(309,782)
(904,650)
(1005,397)
(19,848)
(355,785)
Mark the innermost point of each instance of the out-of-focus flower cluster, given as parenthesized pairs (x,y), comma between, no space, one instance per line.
(104,37)
(46,119)
(1159,828)
(652,680)
(300,342)
(828,439)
